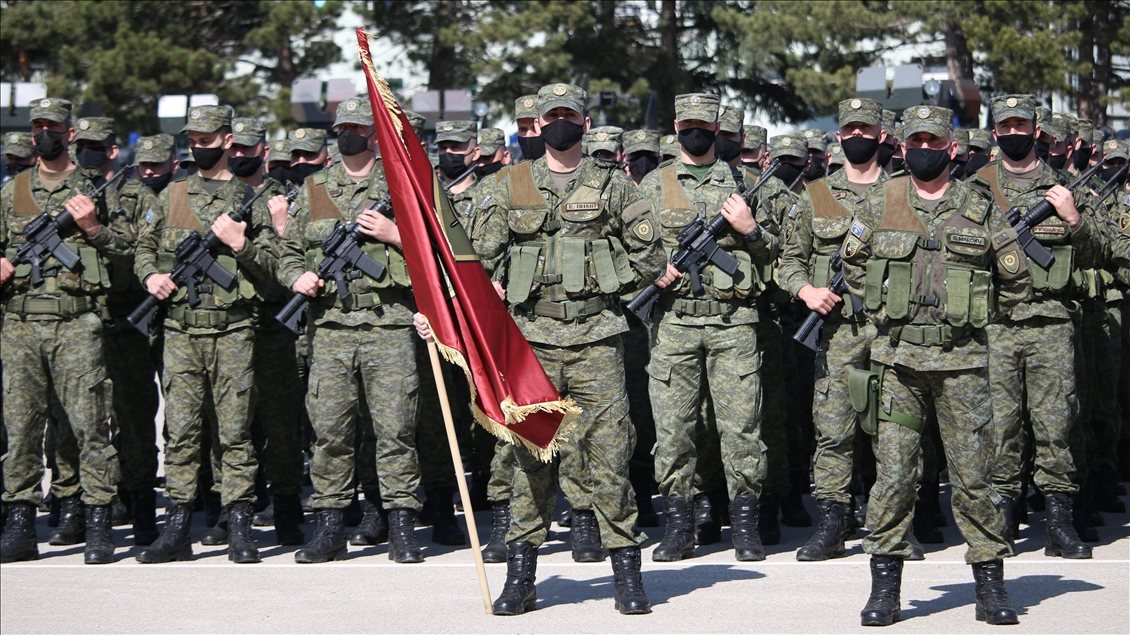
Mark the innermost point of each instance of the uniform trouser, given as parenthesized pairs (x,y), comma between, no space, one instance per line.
(774,411)
(636,358)
(592,375)
(378,363)
(436,469)
(136,400)
(216,368)
(501,472)
(965,413)
(278,411)
(709,475)
(847,346)
(799,380)
(1123,309)
(729,358)
(64,358)
(1032,363)
(61,451)
(1099,383)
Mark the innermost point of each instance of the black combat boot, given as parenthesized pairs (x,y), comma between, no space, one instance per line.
(144,516)
(859,511)
(993,605)
(924,526)
(99,535)
(883,607)
(287,517)
(402,545)
(495,549)
(627,582)
(72,523)
(584,537)
(645,510)
(1104,495)
(1087,532)
(174,543)
(17,543)
(1011,524)
(767,524)
(214,510)
(793,513)
(1063,541)
(566,518)
(445,529)
(353,514)
(217,534)
(328,542)
(241,547)
(917,553)
(265,517)
(678,539)
(707,526)
(743,529)
(373,529)
(828,541)
(122,508)
(518,593)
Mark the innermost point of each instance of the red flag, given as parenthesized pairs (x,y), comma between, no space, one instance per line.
(511,395)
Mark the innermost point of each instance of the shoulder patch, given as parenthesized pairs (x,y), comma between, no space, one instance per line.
(860,231)
(149,216)
(644,231)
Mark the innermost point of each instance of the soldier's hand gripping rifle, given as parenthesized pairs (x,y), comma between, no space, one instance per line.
(1037,214)
(698,246)
(44,237)
(811,331)
(343,253)
(194,262)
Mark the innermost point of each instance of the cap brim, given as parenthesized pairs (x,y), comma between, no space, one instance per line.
(559,102)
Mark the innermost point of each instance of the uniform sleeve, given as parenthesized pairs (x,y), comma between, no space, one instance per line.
(1012,288)
(490,231)
(149,230)
(797,252)
(292,250)
(639,234)
(1089,241)
(766,249)
(116,236)
(258,255)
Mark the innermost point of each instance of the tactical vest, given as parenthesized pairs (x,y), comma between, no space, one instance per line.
(677,212)
(91,277)
(365,292)
(830,223)
(919,277)
(560,253)
(181,222)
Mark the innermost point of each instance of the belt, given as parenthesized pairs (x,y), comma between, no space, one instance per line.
(65,306)
(700,308)
(567,310)
(929,335)
(209,318)
(370,300)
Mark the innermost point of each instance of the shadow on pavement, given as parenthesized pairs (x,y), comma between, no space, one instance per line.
(1025,591)
(661,584)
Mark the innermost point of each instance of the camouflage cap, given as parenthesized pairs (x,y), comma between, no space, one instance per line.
(1005,106)
(814,138)
(962,139)
(1057,125)
(835,153)
(1115,149)
(669,146)
(755,137)
(94,128)
(641,141)
(526,107)
(1042,113)
(936,120)
(889,121)
(355,110)
(491,139)
(279,151)
(898,132)
(788,145)
(307,140)
(1085,130)
(155,149)
(207,119)
(979,139)
(18,144)
(604,138)
(858,110)
(416,120)
(51,108)
(731,119)
(568,96)
(457,131)
(246,131)
(700,106)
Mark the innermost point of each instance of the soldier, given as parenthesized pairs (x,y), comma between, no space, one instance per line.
(1031,347)
(754,153)
(957,165)
(888,148)
(526,114)
(156,161)
(816,229)
(362,348)
(308,153)
(604,143)
(979,147)
(51,345)
(728,144)
(932,249)
(458,152)
(712,337)
(1056,136)
(573,322)
(1118,210)
(1083,150)
(668,148)
(278,161)
(208,348)
(817,141)
(641,152)
(835,158)
(493,155)
(19,154)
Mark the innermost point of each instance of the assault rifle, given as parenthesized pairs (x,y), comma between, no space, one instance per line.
(811,331)
(698,246)
(1037,214)
(1112,185)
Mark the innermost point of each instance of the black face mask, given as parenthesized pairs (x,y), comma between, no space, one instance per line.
(897,165)
(696,141)
(1057,161)
(351,144)
(859,150)
(16,168)
(207,158)
(562,134)
(957,169)
(640,165)
(787,173)
(245,166)
(1016,146)
(1043,149)
(727,149)
(280,173)
(1082,158)
(483,171)
(886,151)
(815,170)
(157,183)
(302,171)
(50,144)
(976,162)
(452,165)
(753,165)
(835,167)
(532,147)
(92,156)
(1108,171)
(926,164)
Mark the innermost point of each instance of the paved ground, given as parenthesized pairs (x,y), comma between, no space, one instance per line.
(709,594)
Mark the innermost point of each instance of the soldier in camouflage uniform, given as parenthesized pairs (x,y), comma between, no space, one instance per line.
(558,214)
(493,155)
(669,148)
(835,158)
(19,154)
(457,144)
(526,116)
(924,253)
(278,160)
(362,348)
(979,147)
(51,345)
(604,143)
(208,348)
(1118,211)
(641,153)
(308,153)
(959,162)
(817,141)
(815,231)
(1084,153)
(754,152)
(728,143)
(1032,347)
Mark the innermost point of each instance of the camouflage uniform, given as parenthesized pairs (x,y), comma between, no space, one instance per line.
(606,138)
